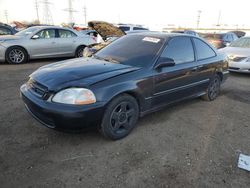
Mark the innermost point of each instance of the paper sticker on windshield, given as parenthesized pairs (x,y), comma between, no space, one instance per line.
(151,39)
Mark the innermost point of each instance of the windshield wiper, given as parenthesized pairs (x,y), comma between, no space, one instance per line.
(109,59)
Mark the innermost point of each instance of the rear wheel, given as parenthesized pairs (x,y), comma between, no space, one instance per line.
(79,51)
(213,89)
(120,117)
(16,55)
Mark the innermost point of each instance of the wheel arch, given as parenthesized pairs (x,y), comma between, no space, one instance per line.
(19,47)
(134,93)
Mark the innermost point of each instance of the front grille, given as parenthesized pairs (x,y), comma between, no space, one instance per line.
(234,68)
(38,89)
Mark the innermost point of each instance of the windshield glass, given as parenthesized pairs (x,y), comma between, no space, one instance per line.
(27,31)
(241,43)
(135,50)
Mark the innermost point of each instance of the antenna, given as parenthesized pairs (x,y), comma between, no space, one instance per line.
(70,10)
(47,16)
(37,13)
(198,18)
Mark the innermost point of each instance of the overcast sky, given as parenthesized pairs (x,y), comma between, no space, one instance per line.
(152,13)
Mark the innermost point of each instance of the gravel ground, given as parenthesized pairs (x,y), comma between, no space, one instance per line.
(192,144)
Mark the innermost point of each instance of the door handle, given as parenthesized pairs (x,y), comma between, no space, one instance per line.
(53,42)
(194,69)
(197,68)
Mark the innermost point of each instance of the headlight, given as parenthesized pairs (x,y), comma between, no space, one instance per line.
(77,96)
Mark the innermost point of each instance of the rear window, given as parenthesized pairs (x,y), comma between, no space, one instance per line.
(135,50)
(124,28)
(139,28)
(5,31)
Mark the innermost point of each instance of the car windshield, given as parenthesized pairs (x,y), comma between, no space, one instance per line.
(241,43)
(135,50)
(27,31)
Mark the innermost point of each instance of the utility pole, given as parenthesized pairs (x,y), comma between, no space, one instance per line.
(70,10)
(6,16)
(198,18)
(37,13)
(219,17)
(47,16)
(85,14)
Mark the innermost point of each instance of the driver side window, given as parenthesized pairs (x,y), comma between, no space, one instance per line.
(47,34)
(180,49)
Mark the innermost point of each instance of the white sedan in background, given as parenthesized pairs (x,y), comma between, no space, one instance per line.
(43,42)
(238,53)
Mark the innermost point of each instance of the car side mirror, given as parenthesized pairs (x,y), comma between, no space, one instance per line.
(35,37)
(165,62)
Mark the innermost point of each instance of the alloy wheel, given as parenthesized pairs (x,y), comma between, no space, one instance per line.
(16,56)
(121,119)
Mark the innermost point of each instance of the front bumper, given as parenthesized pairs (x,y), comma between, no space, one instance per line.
(2,53)
(243,66)
(60,116)
(225,75)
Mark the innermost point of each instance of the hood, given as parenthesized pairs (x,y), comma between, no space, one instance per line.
(9,37)
(106,29)
(78,72)
(236,51)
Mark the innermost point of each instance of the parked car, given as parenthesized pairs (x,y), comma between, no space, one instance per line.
(239,55)
(190,32)
(108,33)
(220,40)
(130,27)
(7,30)
(42,42)
(239,33)
(91,33)
(114,88)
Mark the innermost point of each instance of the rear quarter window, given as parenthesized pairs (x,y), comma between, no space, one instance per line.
(203,50)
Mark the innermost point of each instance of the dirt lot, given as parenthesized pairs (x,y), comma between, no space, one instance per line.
(191,144)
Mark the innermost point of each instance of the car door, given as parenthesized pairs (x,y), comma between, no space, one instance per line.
(43,44)
(66,42)
(179,81)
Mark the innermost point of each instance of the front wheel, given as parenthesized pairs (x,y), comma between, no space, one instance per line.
(213,89)
(16,55)
(120,117)
(79,51)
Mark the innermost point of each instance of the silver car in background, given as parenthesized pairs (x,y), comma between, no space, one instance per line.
(43,42)
(238,53)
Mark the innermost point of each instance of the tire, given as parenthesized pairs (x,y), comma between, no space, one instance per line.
(120,117)
(16,55)
(213,89)
(79,51)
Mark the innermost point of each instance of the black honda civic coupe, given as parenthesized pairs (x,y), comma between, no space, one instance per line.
(133,76)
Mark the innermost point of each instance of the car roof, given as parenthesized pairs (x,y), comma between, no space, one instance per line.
(162,35)
(50,27)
